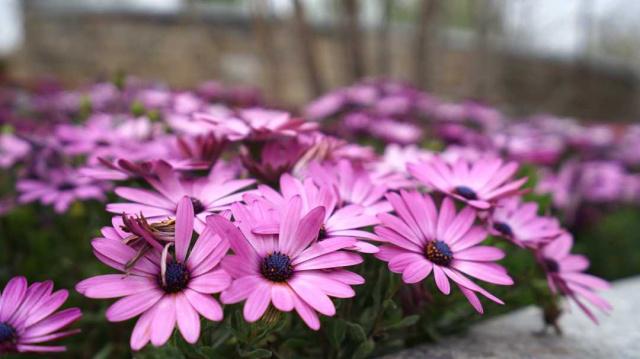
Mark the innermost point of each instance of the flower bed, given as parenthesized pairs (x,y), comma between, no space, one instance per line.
(234,229)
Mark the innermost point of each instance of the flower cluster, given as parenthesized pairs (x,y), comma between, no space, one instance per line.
(284,214)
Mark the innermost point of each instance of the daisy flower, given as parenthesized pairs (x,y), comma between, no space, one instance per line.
(354,185)
(422,240)
(519,222)
(479,184)
(208,195)
(12,149)
(565,275)
(61,188)
(346,221)
(256,124)
(163,287)
(290,269)
(27,318)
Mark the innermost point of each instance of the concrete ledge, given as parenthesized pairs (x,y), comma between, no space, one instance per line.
(512,335)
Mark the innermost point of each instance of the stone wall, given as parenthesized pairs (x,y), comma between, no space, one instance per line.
(184,49)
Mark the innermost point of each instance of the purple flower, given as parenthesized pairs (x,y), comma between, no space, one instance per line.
(565,275)
(256,124)
(12,149)
(289,269)
(422,240)
(354,184)
(208,195)
(480,183)
(60,189)
(268,160)
(27,318)
(519,222)
(346,221)
(164,288)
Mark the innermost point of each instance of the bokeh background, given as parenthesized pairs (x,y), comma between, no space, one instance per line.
(570,58)
(576,58)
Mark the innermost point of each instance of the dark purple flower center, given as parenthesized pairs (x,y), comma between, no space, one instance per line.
(503,228)
(551,265)
(198,207)
(466,192)
(176,277)
(66,186)
(7,333)
(276,267)
(439,253)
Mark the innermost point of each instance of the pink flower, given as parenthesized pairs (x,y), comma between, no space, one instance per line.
(60,189)
(27,317)
(354,185)
(12,149)
(390,130)
(346,221)
(290,269)
(208,195)
(165,288)
(520,223)
(256,124)
(424,240)
(480,183)
(565,275)
(269,160)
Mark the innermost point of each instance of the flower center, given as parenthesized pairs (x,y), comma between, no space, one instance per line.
(198,207)
(276,267)
(7,333)
(466,192)
(439,253)
(65,186)
(503,228)
(176,277)
(551,265)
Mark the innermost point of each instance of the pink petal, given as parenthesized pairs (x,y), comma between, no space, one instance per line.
(131,306)
(289,225)
(441,280)
(483,272)
(307,231)
(184,228)
(207,252)
(331,260)
(225,229)
(237,267)
(257,302)
(164,320)
(240,289)
(398,263)
(211,282)
(188,319)
(480,253)
(417,271)
(307,314)
(323,247)
(313,296)
(282,297)
(206,305)
(327,284)
(142,331)
(472,298)
(12,297)
(53,323)
(114,285)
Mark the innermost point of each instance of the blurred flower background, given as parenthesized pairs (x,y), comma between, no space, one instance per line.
(125,106)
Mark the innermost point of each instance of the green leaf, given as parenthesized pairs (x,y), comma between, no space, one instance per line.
(356,332)
(337,330)
(404,322)
(364,349)
(256,354)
